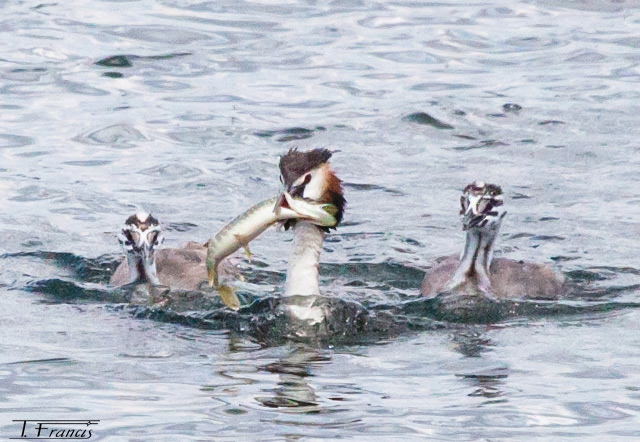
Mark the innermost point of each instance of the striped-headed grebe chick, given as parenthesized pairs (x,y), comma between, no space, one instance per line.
(140,238)
(482,211)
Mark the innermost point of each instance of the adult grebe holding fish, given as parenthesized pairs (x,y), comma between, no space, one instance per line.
(307,175)
(248,226)
(311,203)
(482,211)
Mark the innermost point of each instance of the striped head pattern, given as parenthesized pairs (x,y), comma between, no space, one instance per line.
(141,234)
(482,206)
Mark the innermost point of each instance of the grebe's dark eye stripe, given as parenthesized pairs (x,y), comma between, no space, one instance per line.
(463,204)
(127,235)
(125,238)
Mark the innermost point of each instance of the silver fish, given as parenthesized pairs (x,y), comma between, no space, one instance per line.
(248,226)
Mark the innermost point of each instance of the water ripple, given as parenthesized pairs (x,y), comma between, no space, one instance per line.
(37,193)
(117,135)
(173,171)
(183,108)
(8,141)
(417,57)
(163,34)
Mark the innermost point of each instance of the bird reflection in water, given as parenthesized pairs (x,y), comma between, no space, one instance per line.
(295,390)
(487,381)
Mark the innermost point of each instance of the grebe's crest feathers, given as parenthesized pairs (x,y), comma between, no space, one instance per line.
(295,163)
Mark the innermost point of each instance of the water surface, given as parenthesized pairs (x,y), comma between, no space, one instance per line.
(182,108)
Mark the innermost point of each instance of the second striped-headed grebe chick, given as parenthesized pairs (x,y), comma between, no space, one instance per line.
(482,211)
(181,268)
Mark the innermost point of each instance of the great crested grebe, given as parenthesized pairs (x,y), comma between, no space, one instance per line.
(177,268)
(482,211)
(309,176)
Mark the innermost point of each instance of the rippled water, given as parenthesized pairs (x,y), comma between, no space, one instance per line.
(182,108)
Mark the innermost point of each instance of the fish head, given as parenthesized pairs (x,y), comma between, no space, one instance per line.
(308,176)
(482,207)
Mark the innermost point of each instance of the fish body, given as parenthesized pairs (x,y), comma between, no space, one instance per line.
(321,214)
(249,225)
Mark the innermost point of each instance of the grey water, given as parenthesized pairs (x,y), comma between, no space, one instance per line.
(182,108)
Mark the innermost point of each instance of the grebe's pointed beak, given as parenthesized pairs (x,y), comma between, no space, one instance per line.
(280,203)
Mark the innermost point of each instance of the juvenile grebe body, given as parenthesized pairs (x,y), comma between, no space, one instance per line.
(140,238)
(482,211)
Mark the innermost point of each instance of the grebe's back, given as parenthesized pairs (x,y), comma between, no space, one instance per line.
(509,279)
(183,269)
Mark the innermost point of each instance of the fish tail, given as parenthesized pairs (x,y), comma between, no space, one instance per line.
(229,297)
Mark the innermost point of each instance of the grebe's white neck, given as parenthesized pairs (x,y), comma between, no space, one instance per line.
(475,260)
(142,269)
(302,275)
(302,285)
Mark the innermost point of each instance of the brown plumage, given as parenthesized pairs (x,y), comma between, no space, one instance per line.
(183,269)
(509,279)
(294,163)
(333,193)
